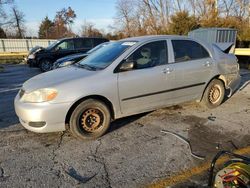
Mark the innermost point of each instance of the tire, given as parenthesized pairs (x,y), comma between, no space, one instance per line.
(45,65)
(90,120)
(214,94)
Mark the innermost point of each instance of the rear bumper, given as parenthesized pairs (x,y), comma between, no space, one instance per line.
(233,82)
(42,117)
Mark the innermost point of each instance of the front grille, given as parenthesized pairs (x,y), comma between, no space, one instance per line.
(21,93)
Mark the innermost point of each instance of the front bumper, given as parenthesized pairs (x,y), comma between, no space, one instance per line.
(52,115)
(32,62)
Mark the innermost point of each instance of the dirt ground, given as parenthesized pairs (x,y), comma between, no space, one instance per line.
(134,153)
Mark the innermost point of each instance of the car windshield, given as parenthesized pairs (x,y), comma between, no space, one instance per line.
(103,57)
(97,47)
(53,45)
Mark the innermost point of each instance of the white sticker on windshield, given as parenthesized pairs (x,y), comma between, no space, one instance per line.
(128,43)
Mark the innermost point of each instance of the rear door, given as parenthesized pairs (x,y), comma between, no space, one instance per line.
(146,86)
(192,66)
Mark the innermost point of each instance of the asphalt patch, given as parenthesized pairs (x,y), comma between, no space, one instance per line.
(209,140)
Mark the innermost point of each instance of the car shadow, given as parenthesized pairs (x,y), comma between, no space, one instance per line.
(245,79)
(119,123)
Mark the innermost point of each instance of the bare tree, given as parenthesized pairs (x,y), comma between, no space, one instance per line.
(156,14)
(139,17)
(88,29)
(226,7)
(67,16)
(125,15)
(3,16)
(242,8)
(18,21)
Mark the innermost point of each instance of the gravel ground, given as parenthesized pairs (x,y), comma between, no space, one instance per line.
(134,153)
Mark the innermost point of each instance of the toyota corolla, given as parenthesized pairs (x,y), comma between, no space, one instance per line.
(126,77)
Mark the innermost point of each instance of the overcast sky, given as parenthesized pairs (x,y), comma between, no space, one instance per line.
(99,12)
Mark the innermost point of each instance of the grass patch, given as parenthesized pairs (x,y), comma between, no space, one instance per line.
(11,59)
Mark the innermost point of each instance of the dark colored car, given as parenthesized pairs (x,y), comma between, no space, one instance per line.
(45,57)
(71,59)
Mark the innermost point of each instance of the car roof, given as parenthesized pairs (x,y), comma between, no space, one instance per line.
(82,38)
(152,37)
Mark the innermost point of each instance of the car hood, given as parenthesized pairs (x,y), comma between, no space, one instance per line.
(36,50)
(56,77)
(71,57)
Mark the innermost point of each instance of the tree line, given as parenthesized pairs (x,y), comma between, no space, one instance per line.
(139,17)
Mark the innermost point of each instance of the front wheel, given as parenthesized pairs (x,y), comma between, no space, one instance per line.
(45,65)
(90,120)
(214,94)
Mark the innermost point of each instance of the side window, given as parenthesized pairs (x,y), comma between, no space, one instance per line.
(99,41)
(78,43)
(185,50)
(149,55)
(65,45)
(87,43)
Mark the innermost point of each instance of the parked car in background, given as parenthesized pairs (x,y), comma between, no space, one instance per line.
(45,57)
(71,59)
(126,77)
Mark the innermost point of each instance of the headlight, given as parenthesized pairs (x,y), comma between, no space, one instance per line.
(66,63)
(31,56)
(40,95)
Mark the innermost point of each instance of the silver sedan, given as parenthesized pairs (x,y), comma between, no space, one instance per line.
(126,77)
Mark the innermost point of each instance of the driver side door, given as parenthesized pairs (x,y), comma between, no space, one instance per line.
(64,48)
(146,86)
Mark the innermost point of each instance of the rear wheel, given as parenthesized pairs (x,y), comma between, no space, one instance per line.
(90,120)
(45,65)
(214,94)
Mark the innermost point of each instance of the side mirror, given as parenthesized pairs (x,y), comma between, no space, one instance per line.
(127,65)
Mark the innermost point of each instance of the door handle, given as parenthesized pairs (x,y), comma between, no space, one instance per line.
(207,64)
(167,70)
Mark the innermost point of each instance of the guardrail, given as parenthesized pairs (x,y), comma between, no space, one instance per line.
(242,51)
(13,54)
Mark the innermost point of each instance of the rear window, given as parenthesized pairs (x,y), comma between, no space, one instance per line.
(185,50)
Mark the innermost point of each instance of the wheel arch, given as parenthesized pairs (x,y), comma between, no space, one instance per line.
(43,58)
(96,97)
(219,77)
